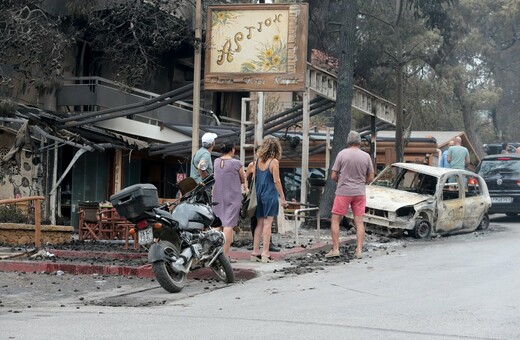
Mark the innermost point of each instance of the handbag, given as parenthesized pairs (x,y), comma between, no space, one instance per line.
(251,207)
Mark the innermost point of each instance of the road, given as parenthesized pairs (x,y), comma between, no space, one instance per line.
(459,287)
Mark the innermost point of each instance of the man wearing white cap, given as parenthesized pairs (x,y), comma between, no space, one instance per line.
(201,164)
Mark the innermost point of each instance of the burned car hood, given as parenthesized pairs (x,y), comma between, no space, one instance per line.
(389,199)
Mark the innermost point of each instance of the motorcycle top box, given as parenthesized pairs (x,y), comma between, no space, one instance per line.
(132,201)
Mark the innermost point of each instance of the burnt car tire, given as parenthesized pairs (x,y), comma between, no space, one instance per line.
(484,223)
(422,229)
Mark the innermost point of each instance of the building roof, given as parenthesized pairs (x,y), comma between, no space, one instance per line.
(442,138)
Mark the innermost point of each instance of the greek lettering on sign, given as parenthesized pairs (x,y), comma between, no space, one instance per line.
(231,46)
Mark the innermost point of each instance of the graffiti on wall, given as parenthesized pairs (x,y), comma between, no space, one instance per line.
(22,175)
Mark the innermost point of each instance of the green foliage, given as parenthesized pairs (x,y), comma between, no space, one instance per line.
(9,214)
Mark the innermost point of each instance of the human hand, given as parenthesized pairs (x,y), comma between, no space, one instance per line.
(284,203)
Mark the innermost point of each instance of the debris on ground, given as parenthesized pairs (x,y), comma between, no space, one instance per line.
(43,254)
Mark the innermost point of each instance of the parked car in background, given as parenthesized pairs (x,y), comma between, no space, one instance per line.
(425,201)
(496,148)
(502,176)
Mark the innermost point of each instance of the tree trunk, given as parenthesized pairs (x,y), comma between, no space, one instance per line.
(468,118)
(343,111)
(399,149)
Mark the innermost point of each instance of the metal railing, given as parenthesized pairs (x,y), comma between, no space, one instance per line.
(297,212)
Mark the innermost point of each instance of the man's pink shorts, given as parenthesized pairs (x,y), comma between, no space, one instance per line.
(341,204)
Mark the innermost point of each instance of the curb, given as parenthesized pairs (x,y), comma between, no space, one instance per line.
(88,269)
(144,271)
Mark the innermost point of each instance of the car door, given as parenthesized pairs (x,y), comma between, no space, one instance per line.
(474,200)
(450,204)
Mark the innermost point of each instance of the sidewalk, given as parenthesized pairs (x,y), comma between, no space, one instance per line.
(133,263)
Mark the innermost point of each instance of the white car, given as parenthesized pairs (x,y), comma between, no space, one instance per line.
(426,201)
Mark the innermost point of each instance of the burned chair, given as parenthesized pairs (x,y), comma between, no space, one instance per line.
(89,223)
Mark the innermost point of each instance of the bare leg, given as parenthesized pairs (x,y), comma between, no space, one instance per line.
(360,234)
(228,232)
(268,221)
(334,231)
(258,234)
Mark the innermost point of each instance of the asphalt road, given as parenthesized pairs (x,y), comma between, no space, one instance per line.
(459,287)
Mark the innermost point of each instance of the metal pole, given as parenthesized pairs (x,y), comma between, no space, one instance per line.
(243,125)
(305,148)
(54,179)
(327,154)
(259,127)
(373,138)
(196,77)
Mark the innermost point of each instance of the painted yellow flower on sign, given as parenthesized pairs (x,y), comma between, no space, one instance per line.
(222,18)
(271,57)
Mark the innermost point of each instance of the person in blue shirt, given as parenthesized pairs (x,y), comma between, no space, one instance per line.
(443,162)
(201,164)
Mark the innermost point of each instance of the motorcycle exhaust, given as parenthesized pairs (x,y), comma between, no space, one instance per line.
(183,263)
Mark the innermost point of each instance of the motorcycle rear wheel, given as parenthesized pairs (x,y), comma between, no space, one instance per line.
(169,279)
(222,268)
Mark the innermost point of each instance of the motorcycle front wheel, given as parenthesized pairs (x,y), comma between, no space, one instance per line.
(222,268)
(169,279)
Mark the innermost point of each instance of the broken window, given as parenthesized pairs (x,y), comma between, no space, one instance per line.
(471,186)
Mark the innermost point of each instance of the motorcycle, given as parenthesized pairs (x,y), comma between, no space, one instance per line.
(181,241)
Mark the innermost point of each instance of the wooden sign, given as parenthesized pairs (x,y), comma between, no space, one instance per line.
(256,47)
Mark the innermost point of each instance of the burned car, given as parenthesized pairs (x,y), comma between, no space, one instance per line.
(426,201)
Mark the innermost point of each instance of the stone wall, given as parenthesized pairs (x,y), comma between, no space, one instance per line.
(19,234)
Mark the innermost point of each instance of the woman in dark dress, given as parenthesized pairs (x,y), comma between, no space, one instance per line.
(268,192)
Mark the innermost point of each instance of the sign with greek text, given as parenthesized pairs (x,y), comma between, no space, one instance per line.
(256,47)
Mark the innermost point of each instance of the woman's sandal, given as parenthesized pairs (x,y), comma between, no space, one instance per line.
(256,258)
(267,259)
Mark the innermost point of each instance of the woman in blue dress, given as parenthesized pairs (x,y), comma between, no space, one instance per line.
(268,192)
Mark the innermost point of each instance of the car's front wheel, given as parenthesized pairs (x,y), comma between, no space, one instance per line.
(422,229)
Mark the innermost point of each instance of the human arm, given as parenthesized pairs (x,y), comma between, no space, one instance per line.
(203,165)
(448,157)
(443,159)
(275,170)
(334,175)
(335,169)
(467,159)
(370,178)
(370,171)
(243,179)
(250,169)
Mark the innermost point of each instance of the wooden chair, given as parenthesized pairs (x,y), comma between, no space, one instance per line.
(106,230)
(88,222)
(122,229)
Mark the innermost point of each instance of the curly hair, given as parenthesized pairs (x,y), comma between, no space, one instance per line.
(271,148)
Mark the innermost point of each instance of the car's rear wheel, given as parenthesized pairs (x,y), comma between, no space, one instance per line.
(422,229)
(484,223)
